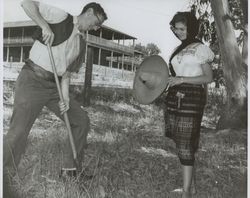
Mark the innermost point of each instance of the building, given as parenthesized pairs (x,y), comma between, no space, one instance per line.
(114,54)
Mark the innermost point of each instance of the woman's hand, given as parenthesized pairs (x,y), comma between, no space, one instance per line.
(174,81)
(64,106)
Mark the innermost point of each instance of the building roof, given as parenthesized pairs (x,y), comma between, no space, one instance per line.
(109,30)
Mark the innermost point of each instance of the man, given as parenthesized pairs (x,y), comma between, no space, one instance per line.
(36,87)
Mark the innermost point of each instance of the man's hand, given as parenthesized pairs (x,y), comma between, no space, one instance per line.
(64,106)
(48,35)
(31,8)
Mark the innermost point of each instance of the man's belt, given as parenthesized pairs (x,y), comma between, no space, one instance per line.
(39,71)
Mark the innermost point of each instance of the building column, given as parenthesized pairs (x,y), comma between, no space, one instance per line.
(122,64)
(99,56)
(8,48)
(21,55)
(100,50)
(22,35)
(8,53)
(101,33)
(133,57)
(112,52)
(111,61)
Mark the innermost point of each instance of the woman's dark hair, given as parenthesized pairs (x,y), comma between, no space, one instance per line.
(97,8)
(189,20)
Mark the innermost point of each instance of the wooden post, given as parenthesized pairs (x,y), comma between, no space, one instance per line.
(88,77)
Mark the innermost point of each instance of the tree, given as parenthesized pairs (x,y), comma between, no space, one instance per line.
(228,15)
(152,49)
(148,50)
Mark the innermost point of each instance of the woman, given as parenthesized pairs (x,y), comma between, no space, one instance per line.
(185,101)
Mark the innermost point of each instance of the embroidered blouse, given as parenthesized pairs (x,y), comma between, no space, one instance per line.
(188,62)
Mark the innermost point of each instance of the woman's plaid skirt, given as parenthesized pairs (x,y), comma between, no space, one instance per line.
(183,113)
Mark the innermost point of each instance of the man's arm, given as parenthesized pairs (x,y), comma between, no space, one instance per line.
(31,8)
(64,105)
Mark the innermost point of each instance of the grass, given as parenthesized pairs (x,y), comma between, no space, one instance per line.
(129,157)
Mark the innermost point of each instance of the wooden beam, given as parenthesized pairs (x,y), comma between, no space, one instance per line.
(88,77)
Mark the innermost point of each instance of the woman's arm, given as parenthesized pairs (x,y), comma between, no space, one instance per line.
(31,8)
(207,77)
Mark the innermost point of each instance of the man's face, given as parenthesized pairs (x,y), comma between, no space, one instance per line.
(91,21)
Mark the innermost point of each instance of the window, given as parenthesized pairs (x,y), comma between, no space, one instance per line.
(26,51)
(14,54)
(104,58)
(15,32)
(5,32)
(29,31)
(5,54)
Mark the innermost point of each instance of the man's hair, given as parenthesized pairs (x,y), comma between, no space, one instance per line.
(97,8)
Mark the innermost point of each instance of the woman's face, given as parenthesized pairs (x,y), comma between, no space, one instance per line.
(180,30)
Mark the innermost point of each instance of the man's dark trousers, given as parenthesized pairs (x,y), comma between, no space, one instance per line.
(32,93)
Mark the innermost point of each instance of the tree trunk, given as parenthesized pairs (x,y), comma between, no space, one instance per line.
(234,115)
(244,6)
(88,77)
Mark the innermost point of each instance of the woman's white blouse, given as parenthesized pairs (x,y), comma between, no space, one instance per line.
(188,61)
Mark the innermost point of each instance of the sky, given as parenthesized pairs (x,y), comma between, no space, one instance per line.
(147,20)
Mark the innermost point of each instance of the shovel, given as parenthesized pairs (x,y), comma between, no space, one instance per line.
(66,119)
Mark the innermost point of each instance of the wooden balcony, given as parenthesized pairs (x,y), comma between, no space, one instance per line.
(92,40)
(109,45)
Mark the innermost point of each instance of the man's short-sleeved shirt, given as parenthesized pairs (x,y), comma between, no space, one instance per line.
(65,53)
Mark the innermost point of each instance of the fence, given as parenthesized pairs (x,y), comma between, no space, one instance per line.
(102,76)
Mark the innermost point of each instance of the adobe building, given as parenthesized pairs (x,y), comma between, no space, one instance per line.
(114,57)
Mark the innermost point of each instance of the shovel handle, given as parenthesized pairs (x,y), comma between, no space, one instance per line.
(65,115)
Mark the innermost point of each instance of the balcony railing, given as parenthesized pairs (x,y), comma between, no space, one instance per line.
(91,39)
(125,59)
(109,44)
(18,40)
